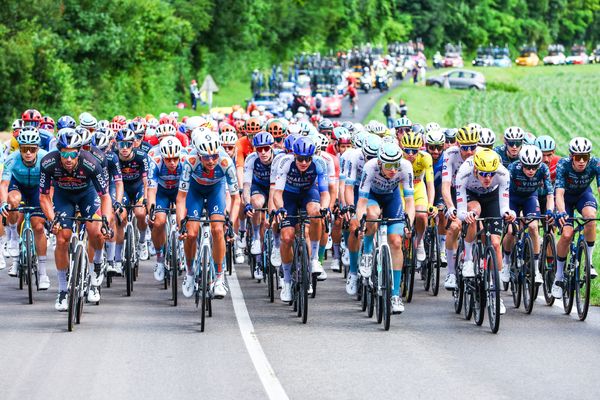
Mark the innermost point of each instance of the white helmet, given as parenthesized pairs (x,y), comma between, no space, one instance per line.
(103,123)
(475,127)
(293,129)
(29,135)
(514,133)
(170,147)
(371,145)
(17,124)
(432,126)
(301,110)
(88,121)
(580,145)
(152,123)
(86,135)
(229,138)
(435,137)
(206,141)
(530,155)
(487,137)
(165,130)
(389,152)
(304,128)
(377,128)
(255,113)
(102,138)
(194,122)
(323,140)
(174,114)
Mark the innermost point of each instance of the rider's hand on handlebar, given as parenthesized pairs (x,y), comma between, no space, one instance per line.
(249,210)
(562,218)
(4,209)
(510,216)
(280,214)
(471,217)
(432,210)
(549,217)
(451,213)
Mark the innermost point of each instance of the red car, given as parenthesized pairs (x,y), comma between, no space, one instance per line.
(331,103)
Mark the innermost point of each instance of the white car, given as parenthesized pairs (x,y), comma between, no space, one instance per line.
(578,58)
(555,58)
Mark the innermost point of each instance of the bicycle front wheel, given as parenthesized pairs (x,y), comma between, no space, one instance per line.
(174,264)
(582,280)
(29,262)
(528,275)
(479,300)
(435,263)
(203,278)
(458,292)
(548,266)
(386,286)
(74,276)
(128,260)
(492,285)
(305,282)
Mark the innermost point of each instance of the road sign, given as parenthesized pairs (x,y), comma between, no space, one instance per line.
(209,87)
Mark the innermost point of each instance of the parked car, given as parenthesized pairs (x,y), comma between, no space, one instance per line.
(459,79)
(528,57)
(453,57)
(578,55)
(502,57)
(595,56)
(484,57)
(331,103)
(270,101)
(556,55)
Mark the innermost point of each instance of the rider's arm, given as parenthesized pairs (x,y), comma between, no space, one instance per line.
(248,175)
(560,200)
(429,180)
(184,184)
(278,199)
(560,185)
(447,181)
(409,202)
(234,187)
(361,207)
(46,206)
(549,188)
(461,190)
(4,191)
(503,189)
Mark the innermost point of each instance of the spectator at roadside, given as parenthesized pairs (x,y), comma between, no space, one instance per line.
(403,108)
(194,93)
(391,111)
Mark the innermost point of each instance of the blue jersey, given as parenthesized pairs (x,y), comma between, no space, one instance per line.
(135,169)
(506,160)
(523,186)
(438,166)
(575,183)
(159,176)
(26,176)
(257,173)
(193,171)
(290,179)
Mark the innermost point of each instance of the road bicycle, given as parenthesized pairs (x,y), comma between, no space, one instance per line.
(430,268)
(409,252)
(269,271)
(130,254)
(548,261)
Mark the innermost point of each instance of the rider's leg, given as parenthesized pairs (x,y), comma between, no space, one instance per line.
(589,230)
(353,243)
(189,246)
(158,235)
(336,237)
(287,241)
(41,242)
(314,232)
(218,241)
(395,242)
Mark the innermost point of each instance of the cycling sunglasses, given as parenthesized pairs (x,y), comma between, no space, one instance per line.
(125,145)
(486,174)
(171,160)
(514,143)
(305,159)
(531,167)
(210,157)
(403,129)
(229,148)
(451,140)
(438,147)
(278,139)
(411,152)
(263,149)
(69,154)
(28,149)
(468,147)
(581,157)
(391,165)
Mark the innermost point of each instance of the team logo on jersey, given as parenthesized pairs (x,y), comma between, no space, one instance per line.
(224,163)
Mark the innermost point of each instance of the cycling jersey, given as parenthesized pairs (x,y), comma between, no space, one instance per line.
(257,174)
(87,173)
(506,160)
(275,166)
(193,172)
(243,148)
(135,169)
(145,147)
(160,177)
(523,186)
(575,183)
(290,179)
(25,176)
(373,181)
(438,167)
(452,162)
(333,166)
(423,167)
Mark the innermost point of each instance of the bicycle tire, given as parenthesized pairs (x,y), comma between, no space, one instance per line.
(364,300)
(386,289)
(568,284)
(528,276)
(205,264)
(478,287)
(458,292)
(174,264)
(468,301)
(583,281)
(371,299)
(515,283)
(436,267)
(305,282)
(378,297)
(251,259)
(268,269)
(84,281)
(29,263)
(229,257)
(313,280)
(548,266)
(493,289)
(128,260)
(426,265)
(73,284)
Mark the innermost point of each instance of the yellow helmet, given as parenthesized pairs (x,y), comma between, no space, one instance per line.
(467,135)
(486,160)
(412,140)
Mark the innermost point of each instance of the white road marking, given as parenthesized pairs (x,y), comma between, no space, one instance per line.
(265,372)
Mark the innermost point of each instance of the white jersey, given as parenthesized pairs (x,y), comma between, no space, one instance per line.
(373,181)
(467,181)
(452,162)
(275,165)
(353,165)
(328,158)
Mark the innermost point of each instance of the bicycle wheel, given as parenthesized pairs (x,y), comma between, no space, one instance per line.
(377,284)
(548,266)
(386,286)
(515,282)
(371,299)
(128,260)
(363,297)
(528,275)
(269,270)
(29,262)
(582,280)
(204,266)
(83,283)
(478,294)
(468,302)
(229,257)
(251,258)
(569,283)
(426,265)
(492,286)
(74,276)
(458,292)
(436,263)
(304,282)
(174,263)
(410,271)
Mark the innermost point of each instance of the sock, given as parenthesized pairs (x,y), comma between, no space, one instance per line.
(336,251)
(397,280)
(219,268)
(536,262)
(321,253)
(468,251)
(276,239)
(590,250)
(62,279)
(42,265)
(560,268)
(190,268)
(505,257)
(451,261)
(287,272)
(353,262)
(346,235)
(12,229)
(97,256)
(160,257)
(143,236)
(256,231)
(243,224)
(314,249)
(110,251)
(442,239)
(118,251)
(368,244)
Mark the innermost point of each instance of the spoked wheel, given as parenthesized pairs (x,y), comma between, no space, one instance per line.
(204,295)
(364,303)
(74,277)
(174,266)
(371,299)
(426,265)
(268,269)
(515,283)
(377,286)
(251,259)
(128,261)
(304,283)
(29,263)
(84,282)
(528,275)
(229,257)
(458,293)
(468,304)
(478,294)
(548,266)
(314,281)
(386,286)
(569,284)
(583,281)
(410,272)
(435,263)
(492,286)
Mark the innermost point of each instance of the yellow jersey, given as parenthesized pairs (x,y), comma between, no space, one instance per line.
(423,167)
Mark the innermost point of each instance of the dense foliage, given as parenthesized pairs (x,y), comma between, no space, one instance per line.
(130,56)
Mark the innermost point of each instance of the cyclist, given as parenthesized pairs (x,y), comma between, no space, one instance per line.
(574,176)
(435,141)
(424,188)
(20,183)
(228,140)
(450,134)
(379,194)
(482,190)
(301,184)
(526,176)
(454,157)
(205,171)
(513,140)
(548,146)
(402,126)
(163,183)
(277,128)
(78,181)
(487,138)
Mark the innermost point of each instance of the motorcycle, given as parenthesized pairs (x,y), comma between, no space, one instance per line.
(381,83)
(365,82)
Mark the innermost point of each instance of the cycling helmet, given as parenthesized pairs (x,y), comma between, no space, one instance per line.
(262,139)
(152,123)
(28,135)
(120,119)
(304,128)
(323,141)
(301,110)
(529,138)
(342,136)
(137,127)
(417,128)
(288,142)
(253,126)
(486,160)
(450,133)
(475,127)
(325,125)
(487,137)
(467,135)
(87,120)
(276,128)
(389,152)
(316,119)
(125,135)
(514,133)
(31,117)
(65,121)
(350,126)
(86,135)
(114,127)
(174,114)
(371,145)
(101,138)
(165,130)
(580,145)
(435,137)
(17,124)
(432,126)
(68,138)
(377,128)
(545,143)
(228,138)
(358,139)
(225,127)
(357,127)
(303,146)
(402,122)
(206,141)
(170,147)
(412,140)
(530,155)
(47,123)
(293,129)
(103,123)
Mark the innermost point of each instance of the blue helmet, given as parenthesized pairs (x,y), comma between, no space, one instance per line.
(304,147)
(68,138)
(125,135)
(182,128)
(545,143)
(262,139)
(289,141)
(65,121)
(137,127)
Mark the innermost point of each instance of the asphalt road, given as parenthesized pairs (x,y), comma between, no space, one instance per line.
(366,102)
(144,348)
